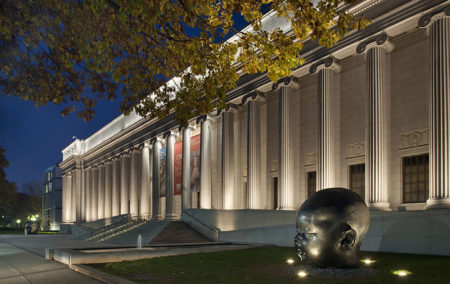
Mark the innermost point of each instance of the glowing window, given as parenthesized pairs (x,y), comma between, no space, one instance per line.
(357,179)
(311,182)
(415,178)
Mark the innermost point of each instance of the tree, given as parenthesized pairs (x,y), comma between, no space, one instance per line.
(8,192)
(73,53)
(29,201)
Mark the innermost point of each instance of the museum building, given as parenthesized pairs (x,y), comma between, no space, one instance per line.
(370,114)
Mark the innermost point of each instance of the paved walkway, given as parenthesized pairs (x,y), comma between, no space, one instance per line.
(22,260)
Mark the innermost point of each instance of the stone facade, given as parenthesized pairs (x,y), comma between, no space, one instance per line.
(378,96)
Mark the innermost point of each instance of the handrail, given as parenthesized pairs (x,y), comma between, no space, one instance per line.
(211,228)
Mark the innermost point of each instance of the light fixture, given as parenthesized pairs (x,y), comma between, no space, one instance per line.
(18,221)
(367,261)
(401,272)
(302,274)
(290,261)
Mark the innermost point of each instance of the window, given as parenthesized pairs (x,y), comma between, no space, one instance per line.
(415,178)
(49,186)
(357,179)
(49,176)
(311,182)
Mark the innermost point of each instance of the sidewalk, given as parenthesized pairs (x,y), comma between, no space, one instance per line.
(22,260)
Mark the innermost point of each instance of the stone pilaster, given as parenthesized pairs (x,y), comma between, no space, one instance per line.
(87,179)
(377,132)
(108,188)
(156,142)
(170,147)
(253,150)
(438,23)
(134,184)
(326,147)
(124,183)
(115,187)
(205,163)
(101,192)
(228,164)
(67,197)
(94,194)
(146,186)
(186,179)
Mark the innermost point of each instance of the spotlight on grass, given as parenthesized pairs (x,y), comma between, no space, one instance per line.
(290,261)
(367,261)
(401,273)
(302,274)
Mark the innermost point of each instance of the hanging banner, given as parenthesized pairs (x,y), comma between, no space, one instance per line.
(162,173)
(177,168)
(195,163)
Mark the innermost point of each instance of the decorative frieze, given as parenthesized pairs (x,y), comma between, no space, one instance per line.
(414,138)
(310,159)
(355,150)
(274,165)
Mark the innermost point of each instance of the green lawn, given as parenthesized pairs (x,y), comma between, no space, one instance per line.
(268,265)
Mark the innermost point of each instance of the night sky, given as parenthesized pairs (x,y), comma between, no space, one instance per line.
(34,137)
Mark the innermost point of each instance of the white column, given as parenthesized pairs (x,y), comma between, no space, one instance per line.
(254,155)
(94,194)
(156,177)
(170,148)
(286,189)
(108,188)
(134,184)
(146,186)
(205,163)
(186,187)
(87,178)
(67,197)
(228,165)
(101,192)
(439,188)
(115,187)
(124,183)
(75,196)
(377,117)
(82,195)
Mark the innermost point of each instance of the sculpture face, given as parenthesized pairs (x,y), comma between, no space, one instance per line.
(331,225)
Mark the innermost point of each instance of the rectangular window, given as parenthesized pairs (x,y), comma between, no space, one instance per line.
(357,179)
(311,182)
(48,176)
(415,179)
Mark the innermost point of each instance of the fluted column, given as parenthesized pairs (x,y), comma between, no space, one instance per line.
(156,178)
(88,207)
(124,183)
(205,163)
(146,186)
(228,165)
(439,37)
(82,195)
(186,179)
(134,184)
(115,187)
(67,197)
(108,188)
(325,154)
(94,194)
(254,152)
(377,133)
(101,192)
(170,147)
(76,195)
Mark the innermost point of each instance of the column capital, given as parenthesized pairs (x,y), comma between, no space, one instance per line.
(430,17)
(380,40)
(191,126)
(231,108)
(326,63)
(288,81)
(156,139)
(172,132)
(253,96)
(204,118)
(124,154)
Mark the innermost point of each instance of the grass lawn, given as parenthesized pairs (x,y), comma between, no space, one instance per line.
(268,265)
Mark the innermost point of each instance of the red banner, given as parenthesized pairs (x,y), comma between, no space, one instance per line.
(195,163)
(177,168)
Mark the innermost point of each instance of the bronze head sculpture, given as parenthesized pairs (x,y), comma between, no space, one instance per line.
(331,225)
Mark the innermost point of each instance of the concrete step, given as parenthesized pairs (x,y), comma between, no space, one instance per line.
(148,231)
(178,232)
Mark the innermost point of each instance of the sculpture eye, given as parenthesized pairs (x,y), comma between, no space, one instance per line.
(325,223)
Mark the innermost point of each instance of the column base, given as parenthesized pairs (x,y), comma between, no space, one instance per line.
(443,203)
(157,218)
(286,208)
(379,206)
(171,217)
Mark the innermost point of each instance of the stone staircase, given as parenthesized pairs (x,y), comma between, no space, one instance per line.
(109,232)
(148,231)
(178,232)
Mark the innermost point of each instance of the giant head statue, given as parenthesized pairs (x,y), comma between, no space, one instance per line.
(331,224)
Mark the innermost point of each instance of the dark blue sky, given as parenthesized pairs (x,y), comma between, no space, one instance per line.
(34,137)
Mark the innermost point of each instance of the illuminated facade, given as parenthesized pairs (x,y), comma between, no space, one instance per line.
(51,199)
(371,114)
